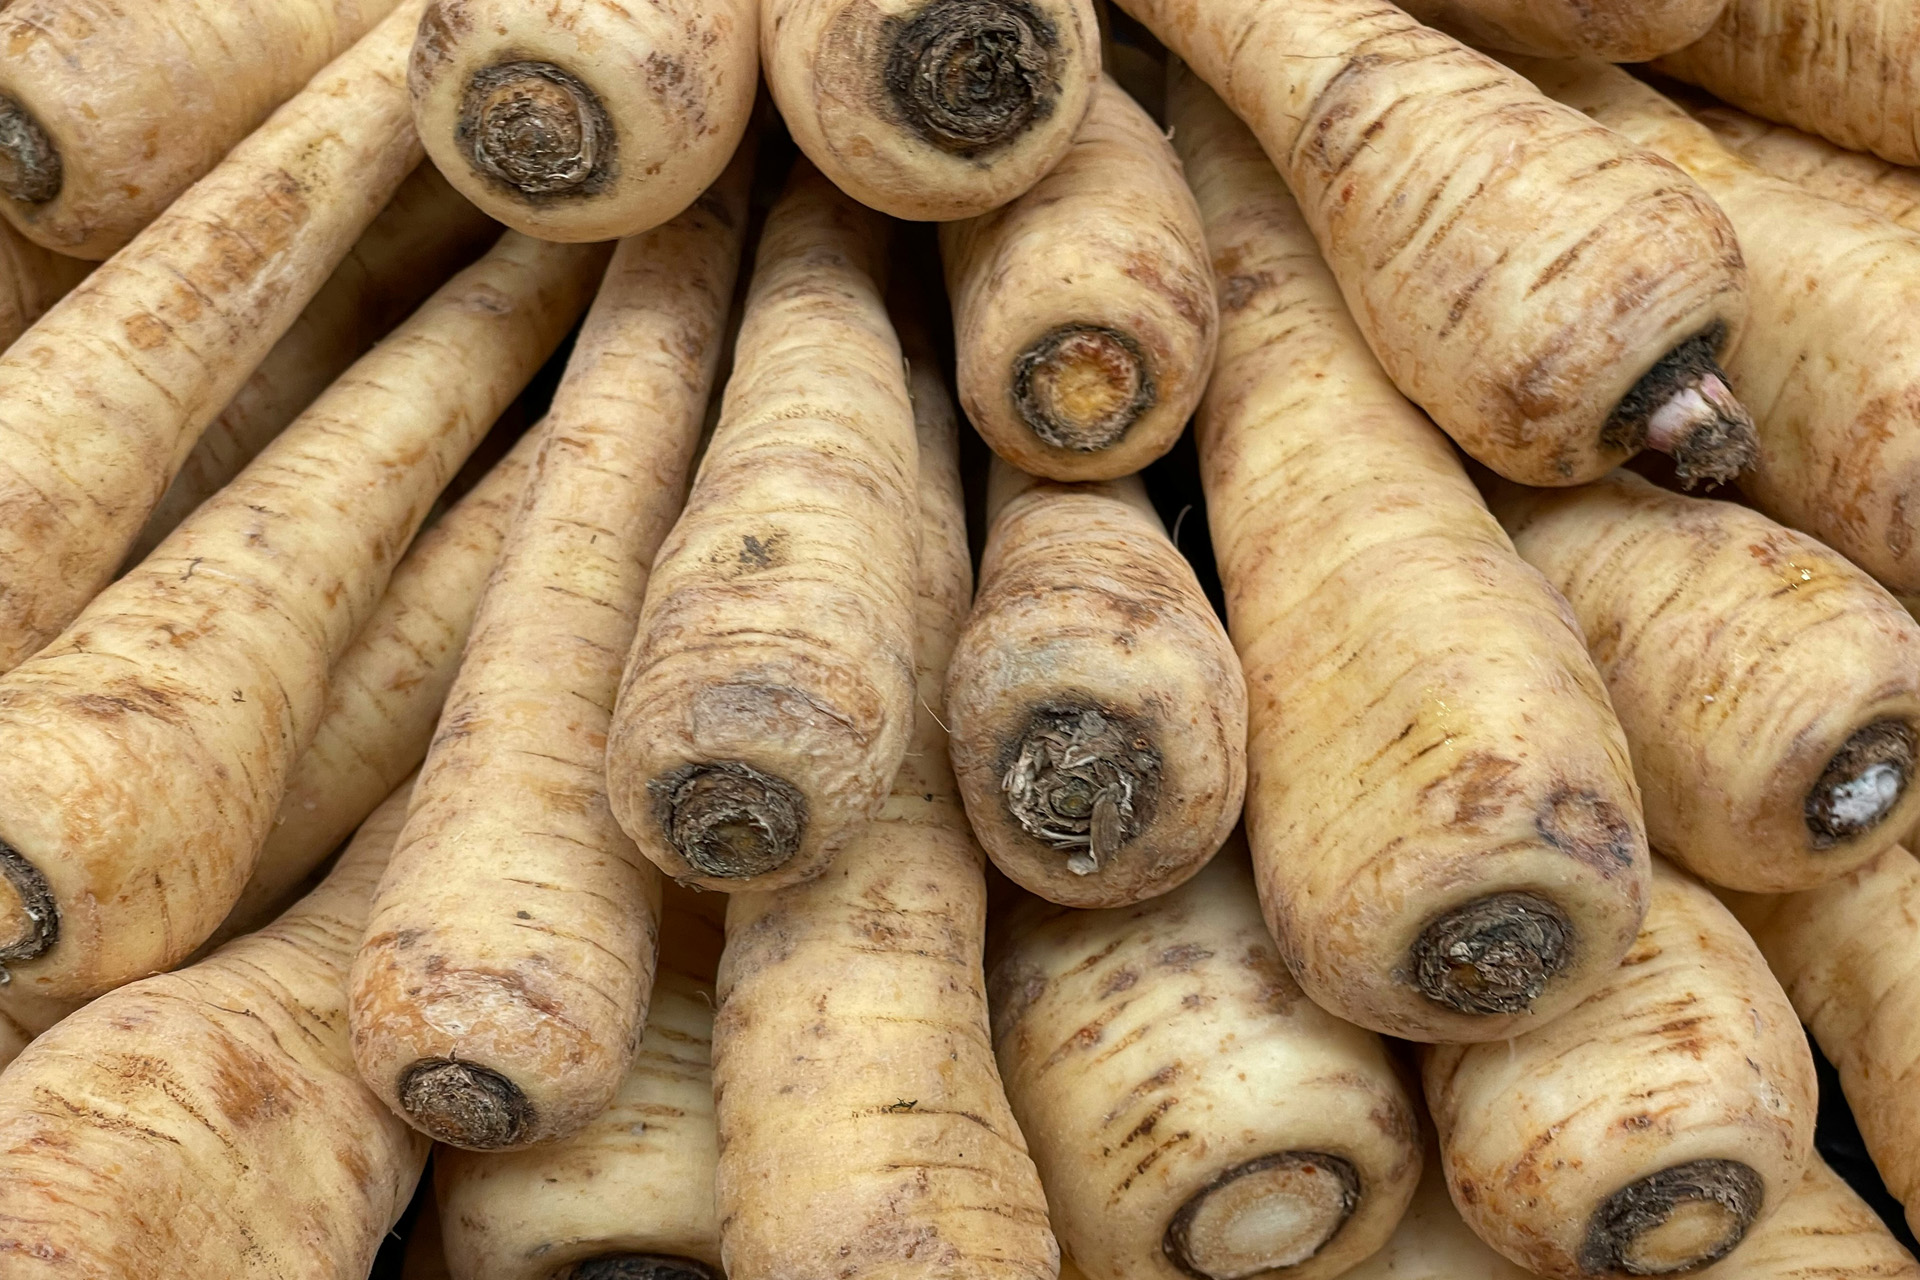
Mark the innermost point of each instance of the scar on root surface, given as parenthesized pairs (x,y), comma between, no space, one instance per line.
(1862,783)
(1081,386)
(30,168)
(1684,407)
(537,129)
(972,75)
(1675,1220)
(465,1105)
(729,819)
(1082,780)
(639,1266)
(1494,955)
(29,913)
(1275,1211)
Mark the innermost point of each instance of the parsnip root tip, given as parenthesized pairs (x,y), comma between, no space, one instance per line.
(1494,955)
(1684,407)
(464,1104)
(1276,1211)
(729,819)
(537,129)
(29,913)
(1675,1220)
(639,1266)
(1080,386)
(972,75)
(1862,783)
(30,169)
(1082,780)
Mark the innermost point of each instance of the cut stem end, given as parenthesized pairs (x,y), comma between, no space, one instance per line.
(537,129)
(1494,955)
(1082,780)
(1684,407)
(30,168)
(1081,386)
(1862,784)
(971,75)
(638,1266)
(729,819)
(1674,1220)
(29,913)
(465,1105)
(1276,1211)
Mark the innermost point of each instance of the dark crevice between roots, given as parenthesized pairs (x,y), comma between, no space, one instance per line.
(1494,955)
(536,129)
(729,819)
(1712,438)
(638,1266)
(1640,1207)
(1081,386)
(464,1104)
(1862,784)
(971,75)
(1082,780)
(37,926)
(30,168)
(1175,1243)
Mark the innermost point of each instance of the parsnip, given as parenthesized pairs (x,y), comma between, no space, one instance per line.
(1615,30)
(1890,190)
(209,1122)
(1098,712)
(32,279)
(146,749)
(1440,802)
(102,399)
(1555,297)
(13,1038)
(1083,311)
(1770,691)
(863,1129)
(1831,362)
(768,698)
(502,987)
(1193,1114)
(931,109)
(1650,1128)
(426,233)
(577,120)
(1432,1243)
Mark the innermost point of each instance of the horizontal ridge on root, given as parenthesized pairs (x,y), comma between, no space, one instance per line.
(1082,386)
(1082,780)
(30,167)
(537,129)
(728,819)
(971,75)
(1324,1189)
(1623,1235)
(34,922)
(1684,407)
(464,1104)
(639,1266)
(1862,783)
(1494,955)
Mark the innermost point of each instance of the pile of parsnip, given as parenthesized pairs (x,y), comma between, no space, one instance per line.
(548,623)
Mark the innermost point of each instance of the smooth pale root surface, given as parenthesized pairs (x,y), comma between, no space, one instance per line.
(1357,559)
(1740,657)
(1890,190)
(1485,249)
(1827,365)
(1801,61)
(1085,606)
(777,628)
(1083,312)
(1689,1053)
(32,279)
(665,91)
(426,233)
(515,928)
(147,748)
(1004,85)
(102,399)
(210,1121)
(1150,1051)
(638,1178)
(142,97)
(1615,30)
(384,694)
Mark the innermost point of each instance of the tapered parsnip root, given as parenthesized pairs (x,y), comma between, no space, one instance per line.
(1083,312)
(1193,1114)
(109,111)
(32,279)
(1098,711)
(102,399)
(1829,362)
(426,233)
(580,120)
(1890,190)
(210,1121)
(503,983)
(1770,691)
(932,109)
(1401,659)
(1614,30)
(1552,295)
(768,698)
(1646,1131)
(144,752)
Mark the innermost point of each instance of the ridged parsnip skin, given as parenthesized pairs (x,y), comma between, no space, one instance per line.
(1690,1054)
(932,110)
(32,279)
(1083,312)
(772,672)
(147,748)
(385,693)
(1745,661)
(1848,954)
(426,233)
(1828,364)
(102,399)
(210,1122)
(1614,30)
(1890,190)
(139,98)
(1848,70)
(1087,609)
(579,120)
(1152,1051)
(1400,659)
(1516,269)
(515,928)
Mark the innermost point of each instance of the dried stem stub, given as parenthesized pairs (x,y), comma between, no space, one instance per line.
(537,129)
(29,913)
(1675,1220)
(1272,1212)
(1082,781)
(1684,407)
(1862,783)
(972,75)
(464,1104)
(639,1266)
(1081,386)
(729,819)
(1494,955)
(30,168)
